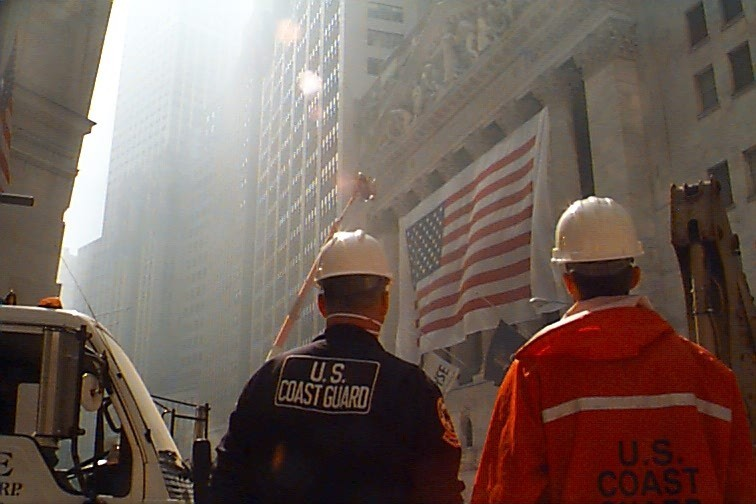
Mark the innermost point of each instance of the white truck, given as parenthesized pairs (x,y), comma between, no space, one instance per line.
(77,424)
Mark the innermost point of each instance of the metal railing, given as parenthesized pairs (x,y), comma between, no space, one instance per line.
(200,417)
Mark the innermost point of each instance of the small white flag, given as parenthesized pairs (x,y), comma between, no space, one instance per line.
(440,372)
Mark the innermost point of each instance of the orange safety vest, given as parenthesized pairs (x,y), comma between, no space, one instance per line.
(612,406)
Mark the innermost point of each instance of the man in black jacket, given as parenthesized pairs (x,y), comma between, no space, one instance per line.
(341,420)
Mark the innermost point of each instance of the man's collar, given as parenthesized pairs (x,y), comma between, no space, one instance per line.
(349,334)
(606,302)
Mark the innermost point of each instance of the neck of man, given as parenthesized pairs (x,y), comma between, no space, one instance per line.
(366,322)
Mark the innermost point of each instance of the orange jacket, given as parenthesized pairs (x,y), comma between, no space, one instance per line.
(612,406)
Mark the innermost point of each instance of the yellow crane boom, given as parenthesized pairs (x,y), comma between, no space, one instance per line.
(720,307)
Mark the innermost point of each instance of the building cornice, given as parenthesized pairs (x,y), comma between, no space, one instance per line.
(526,44)
(45,133)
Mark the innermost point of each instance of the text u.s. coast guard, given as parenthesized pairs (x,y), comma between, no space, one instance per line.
(327,385)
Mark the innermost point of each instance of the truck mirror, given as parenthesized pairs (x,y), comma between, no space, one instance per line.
(91,392)
(62,354)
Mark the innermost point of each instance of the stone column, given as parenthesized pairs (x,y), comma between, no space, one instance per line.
(620,161)
(385,227)
(554,89)
(615,123)
(387,231)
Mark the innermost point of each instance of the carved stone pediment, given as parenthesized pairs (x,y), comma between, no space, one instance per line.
(464,47)
(417,75)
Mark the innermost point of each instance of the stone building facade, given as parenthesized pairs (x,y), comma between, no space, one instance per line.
(57,46)
(640,95)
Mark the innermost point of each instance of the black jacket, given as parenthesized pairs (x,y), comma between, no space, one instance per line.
(339,420)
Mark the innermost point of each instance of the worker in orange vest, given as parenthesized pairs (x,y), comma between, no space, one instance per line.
(609,404)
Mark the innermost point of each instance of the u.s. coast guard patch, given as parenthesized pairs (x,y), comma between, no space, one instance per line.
(327,385)
(450,435)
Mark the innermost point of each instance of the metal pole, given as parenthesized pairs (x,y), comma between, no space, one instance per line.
(176,401)
(363,186)
(293,315)
(200,421)
(173,421)
(207,418)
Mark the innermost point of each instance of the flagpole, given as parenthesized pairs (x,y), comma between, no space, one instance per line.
(363,186)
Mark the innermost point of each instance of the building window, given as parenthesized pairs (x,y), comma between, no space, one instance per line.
(697,24)
(721,173)
(386,12)
(387,40)
(731,9)
(374,65)
(707,89)
(742,68)
(750,159)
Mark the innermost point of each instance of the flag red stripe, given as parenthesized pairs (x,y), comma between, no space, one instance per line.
(501,225)
(460,253)
(487,190)
(481,233)
(487,210)
(489,276)
(455,276)
(501,298)
(485,253)
(503,162)
(508,159)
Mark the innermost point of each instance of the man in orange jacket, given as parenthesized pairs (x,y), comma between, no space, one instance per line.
(609,404)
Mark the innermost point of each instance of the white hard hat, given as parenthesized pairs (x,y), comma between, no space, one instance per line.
(595,229)
(352,253)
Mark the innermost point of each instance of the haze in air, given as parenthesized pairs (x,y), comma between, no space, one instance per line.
(158,220)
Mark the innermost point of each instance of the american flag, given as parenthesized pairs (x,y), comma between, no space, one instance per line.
(6,111)
(468,245)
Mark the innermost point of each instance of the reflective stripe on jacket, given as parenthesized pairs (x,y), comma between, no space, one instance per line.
(613,406)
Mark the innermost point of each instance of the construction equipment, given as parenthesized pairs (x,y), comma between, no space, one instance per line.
(364,187)
(721,312)
(77,423)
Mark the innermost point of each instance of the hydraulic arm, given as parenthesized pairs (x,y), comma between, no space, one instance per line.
(720,308)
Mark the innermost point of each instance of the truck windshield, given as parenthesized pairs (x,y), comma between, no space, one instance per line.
(131,380)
